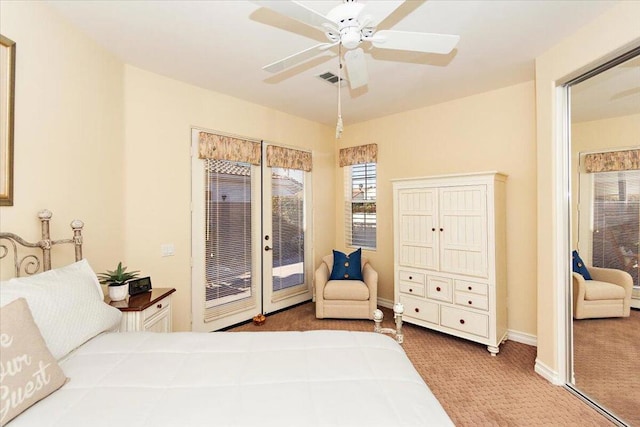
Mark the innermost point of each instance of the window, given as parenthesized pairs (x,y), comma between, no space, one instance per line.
(616,221)
(360,205)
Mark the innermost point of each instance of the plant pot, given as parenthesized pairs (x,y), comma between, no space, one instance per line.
(118,292)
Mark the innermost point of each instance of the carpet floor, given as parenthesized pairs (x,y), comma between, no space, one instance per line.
(474,388)
(607,355)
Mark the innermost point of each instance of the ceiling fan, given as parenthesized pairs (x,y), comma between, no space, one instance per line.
(348,26)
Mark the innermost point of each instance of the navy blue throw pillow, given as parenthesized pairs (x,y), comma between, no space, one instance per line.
(346,267)
(579,267)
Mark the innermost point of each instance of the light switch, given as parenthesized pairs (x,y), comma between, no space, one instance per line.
(168,249)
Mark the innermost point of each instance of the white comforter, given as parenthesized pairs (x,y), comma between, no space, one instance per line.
(315,378)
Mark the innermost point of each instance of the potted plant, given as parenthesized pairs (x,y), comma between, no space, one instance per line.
(116,280)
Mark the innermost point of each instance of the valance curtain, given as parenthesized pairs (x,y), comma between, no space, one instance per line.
(221,147)
(358,155)
(612,161)
(288,158)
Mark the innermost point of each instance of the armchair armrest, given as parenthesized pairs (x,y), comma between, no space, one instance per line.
(614,276)
(321,278)
(370,278)
(579,290)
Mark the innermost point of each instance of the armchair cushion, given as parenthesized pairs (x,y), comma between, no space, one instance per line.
(352,290)
(346,267)
(579,267)
(596,291)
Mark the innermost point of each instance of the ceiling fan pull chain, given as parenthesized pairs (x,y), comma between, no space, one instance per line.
(339,125)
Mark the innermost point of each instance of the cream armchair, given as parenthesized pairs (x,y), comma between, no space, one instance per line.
(607,295)
(346,299)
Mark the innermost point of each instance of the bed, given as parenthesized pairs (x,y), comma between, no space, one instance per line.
(82,372)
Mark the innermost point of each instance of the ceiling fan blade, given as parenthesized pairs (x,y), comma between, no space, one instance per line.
(418,42)
(356,68)
(297,58)
(299,12)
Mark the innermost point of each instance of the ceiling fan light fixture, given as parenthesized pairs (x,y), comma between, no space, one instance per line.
(350,37)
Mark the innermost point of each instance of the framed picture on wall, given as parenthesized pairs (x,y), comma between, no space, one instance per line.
(7,96)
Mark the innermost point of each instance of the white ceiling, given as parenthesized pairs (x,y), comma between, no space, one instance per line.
(612,93)
(223,45)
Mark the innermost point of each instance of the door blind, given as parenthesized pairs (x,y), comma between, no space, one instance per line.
(616,221)
(287,222)
(228,247)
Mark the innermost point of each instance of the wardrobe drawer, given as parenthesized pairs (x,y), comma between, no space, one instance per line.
(410,276)
(470,300)
(412,289)
(439,288)
(420,309)
(472,287)
(465,321)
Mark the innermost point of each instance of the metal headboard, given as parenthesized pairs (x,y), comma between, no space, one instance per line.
(30,264)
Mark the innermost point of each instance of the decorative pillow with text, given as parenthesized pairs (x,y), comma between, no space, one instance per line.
(28,370)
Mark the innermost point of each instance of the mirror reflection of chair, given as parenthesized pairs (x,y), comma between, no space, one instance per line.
(608,294)
(345,299)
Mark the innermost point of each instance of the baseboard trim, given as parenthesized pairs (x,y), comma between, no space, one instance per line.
(386,303)
(547,373)
(523,338)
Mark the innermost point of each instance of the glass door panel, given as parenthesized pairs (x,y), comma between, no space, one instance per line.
(286,273)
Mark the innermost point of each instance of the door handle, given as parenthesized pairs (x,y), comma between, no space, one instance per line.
(267,248)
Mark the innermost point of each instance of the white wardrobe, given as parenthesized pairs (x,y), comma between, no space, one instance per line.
(450,254)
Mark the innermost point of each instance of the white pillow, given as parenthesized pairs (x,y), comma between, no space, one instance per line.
(67,305)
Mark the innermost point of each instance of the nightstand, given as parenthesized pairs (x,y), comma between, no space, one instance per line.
(150,311)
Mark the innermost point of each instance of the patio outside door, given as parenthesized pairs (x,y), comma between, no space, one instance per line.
(249,240)
(286,248)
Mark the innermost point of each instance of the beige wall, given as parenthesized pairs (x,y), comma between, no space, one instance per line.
(159,114)
(610,34)
(83,149)
(109,144)
(490,131)
(68,133)
(606,134)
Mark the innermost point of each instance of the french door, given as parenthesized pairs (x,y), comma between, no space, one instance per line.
(250,239)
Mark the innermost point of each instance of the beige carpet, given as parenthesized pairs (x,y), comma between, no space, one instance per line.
(474,388)
(607,363)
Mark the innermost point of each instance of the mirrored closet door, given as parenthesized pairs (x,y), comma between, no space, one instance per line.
(605,230)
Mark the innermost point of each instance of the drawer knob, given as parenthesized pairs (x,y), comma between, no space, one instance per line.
(470,288)
(470,302)
(417,310)
(433,229)
(462,321)
(410,277)
(159,306)
(438,288)
(441,229)
(410,290)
